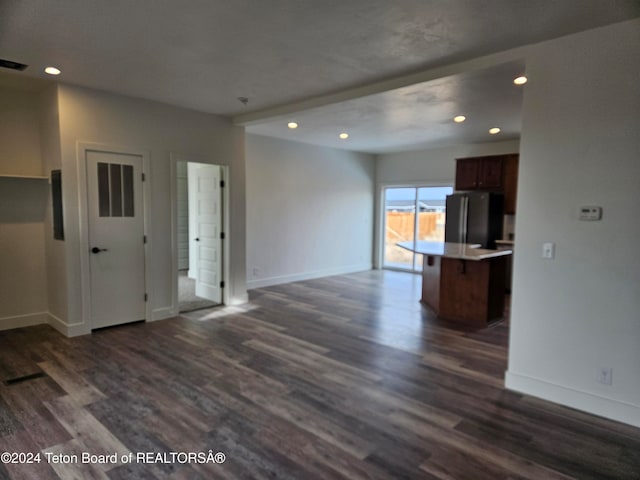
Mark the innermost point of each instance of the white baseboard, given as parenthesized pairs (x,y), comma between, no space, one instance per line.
(297,277)
(28,320)
(238,299)
(162,313)
(43,318)
(580,400)
(68,330)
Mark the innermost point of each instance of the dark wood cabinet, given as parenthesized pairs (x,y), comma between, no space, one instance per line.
(494,172)
(510,183)
(490,172)
(431,281)
(463,284)
(472,292)
(467,173)
(479,173)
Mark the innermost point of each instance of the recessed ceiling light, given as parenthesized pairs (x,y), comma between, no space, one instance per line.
(344,136)
(521,80)
(494,130)
(292,125)
(52,71)
(459,118)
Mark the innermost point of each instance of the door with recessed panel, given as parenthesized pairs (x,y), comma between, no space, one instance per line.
(116,238)
(207,221)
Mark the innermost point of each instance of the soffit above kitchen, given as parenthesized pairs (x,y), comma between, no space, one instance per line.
(205,54)
(413,117)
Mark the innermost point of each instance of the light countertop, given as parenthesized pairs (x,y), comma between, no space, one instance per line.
(463,251)
(505,242)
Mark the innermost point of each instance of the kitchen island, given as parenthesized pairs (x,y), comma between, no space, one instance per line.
(461,282)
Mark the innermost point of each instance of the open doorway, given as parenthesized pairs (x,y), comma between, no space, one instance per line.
(199,246)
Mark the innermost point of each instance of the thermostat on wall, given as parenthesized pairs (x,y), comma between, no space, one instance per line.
(590,213)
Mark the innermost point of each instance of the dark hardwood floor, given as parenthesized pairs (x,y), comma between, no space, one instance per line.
(346,377)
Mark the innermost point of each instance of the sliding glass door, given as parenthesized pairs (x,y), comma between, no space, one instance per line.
(412,214)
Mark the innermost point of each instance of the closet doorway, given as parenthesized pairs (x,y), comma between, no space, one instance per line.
(199,221)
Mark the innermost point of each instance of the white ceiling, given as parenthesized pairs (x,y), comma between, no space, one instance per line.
(204,54)
(413,117)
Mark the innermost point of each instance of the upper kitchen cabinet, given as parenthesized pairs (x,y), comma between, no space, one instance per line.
(490,173)
(479,173)
(467,173)
(494,173)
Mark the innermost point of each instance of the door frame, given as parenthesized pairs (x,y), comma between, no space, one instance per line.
(83,216)
(224,211)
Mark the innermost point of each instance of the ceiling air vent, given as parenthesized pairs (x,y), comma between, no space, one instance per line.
(12,65)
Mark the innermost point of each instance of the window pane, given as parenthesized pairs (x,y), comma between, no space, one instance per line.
(431,204)
(104,209)
(431,216)
(116,190)
(412,214)
(127,190)
(400,225)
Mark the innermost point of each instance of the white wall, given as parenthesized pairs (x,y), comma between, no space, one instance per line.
(309,211)
(580,146)
(54,249)
(96,117)
(19,132)
(23,204)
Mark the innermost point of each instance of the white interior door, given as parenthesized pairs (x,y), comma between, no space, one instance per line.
(205,208)
(116,238)
(192,188)
(183,216)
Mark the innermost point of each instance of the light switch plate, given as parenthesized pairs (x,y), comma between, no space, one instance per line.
(548,250)
(590,213)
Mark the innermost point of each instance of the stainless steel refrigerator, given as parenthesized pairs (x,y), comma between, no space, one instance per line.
(474,217)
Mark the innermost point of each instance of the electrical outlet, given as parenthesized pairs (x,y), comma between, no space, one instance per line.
(605,376)
(548,250)
(256,272)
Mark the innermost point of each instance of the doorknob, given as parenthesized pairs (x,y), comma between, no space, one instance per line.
(98,250)
(197,239)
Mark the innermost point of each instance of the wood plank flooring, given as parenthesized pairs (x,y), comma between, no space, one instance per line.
(346,377)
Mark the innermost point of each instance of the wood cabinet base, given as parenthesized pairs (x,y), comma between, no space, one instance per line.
(465,291)
(431,281)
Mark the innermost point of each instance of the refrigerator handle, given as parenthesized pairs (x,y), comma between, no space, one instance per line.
(463,219)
